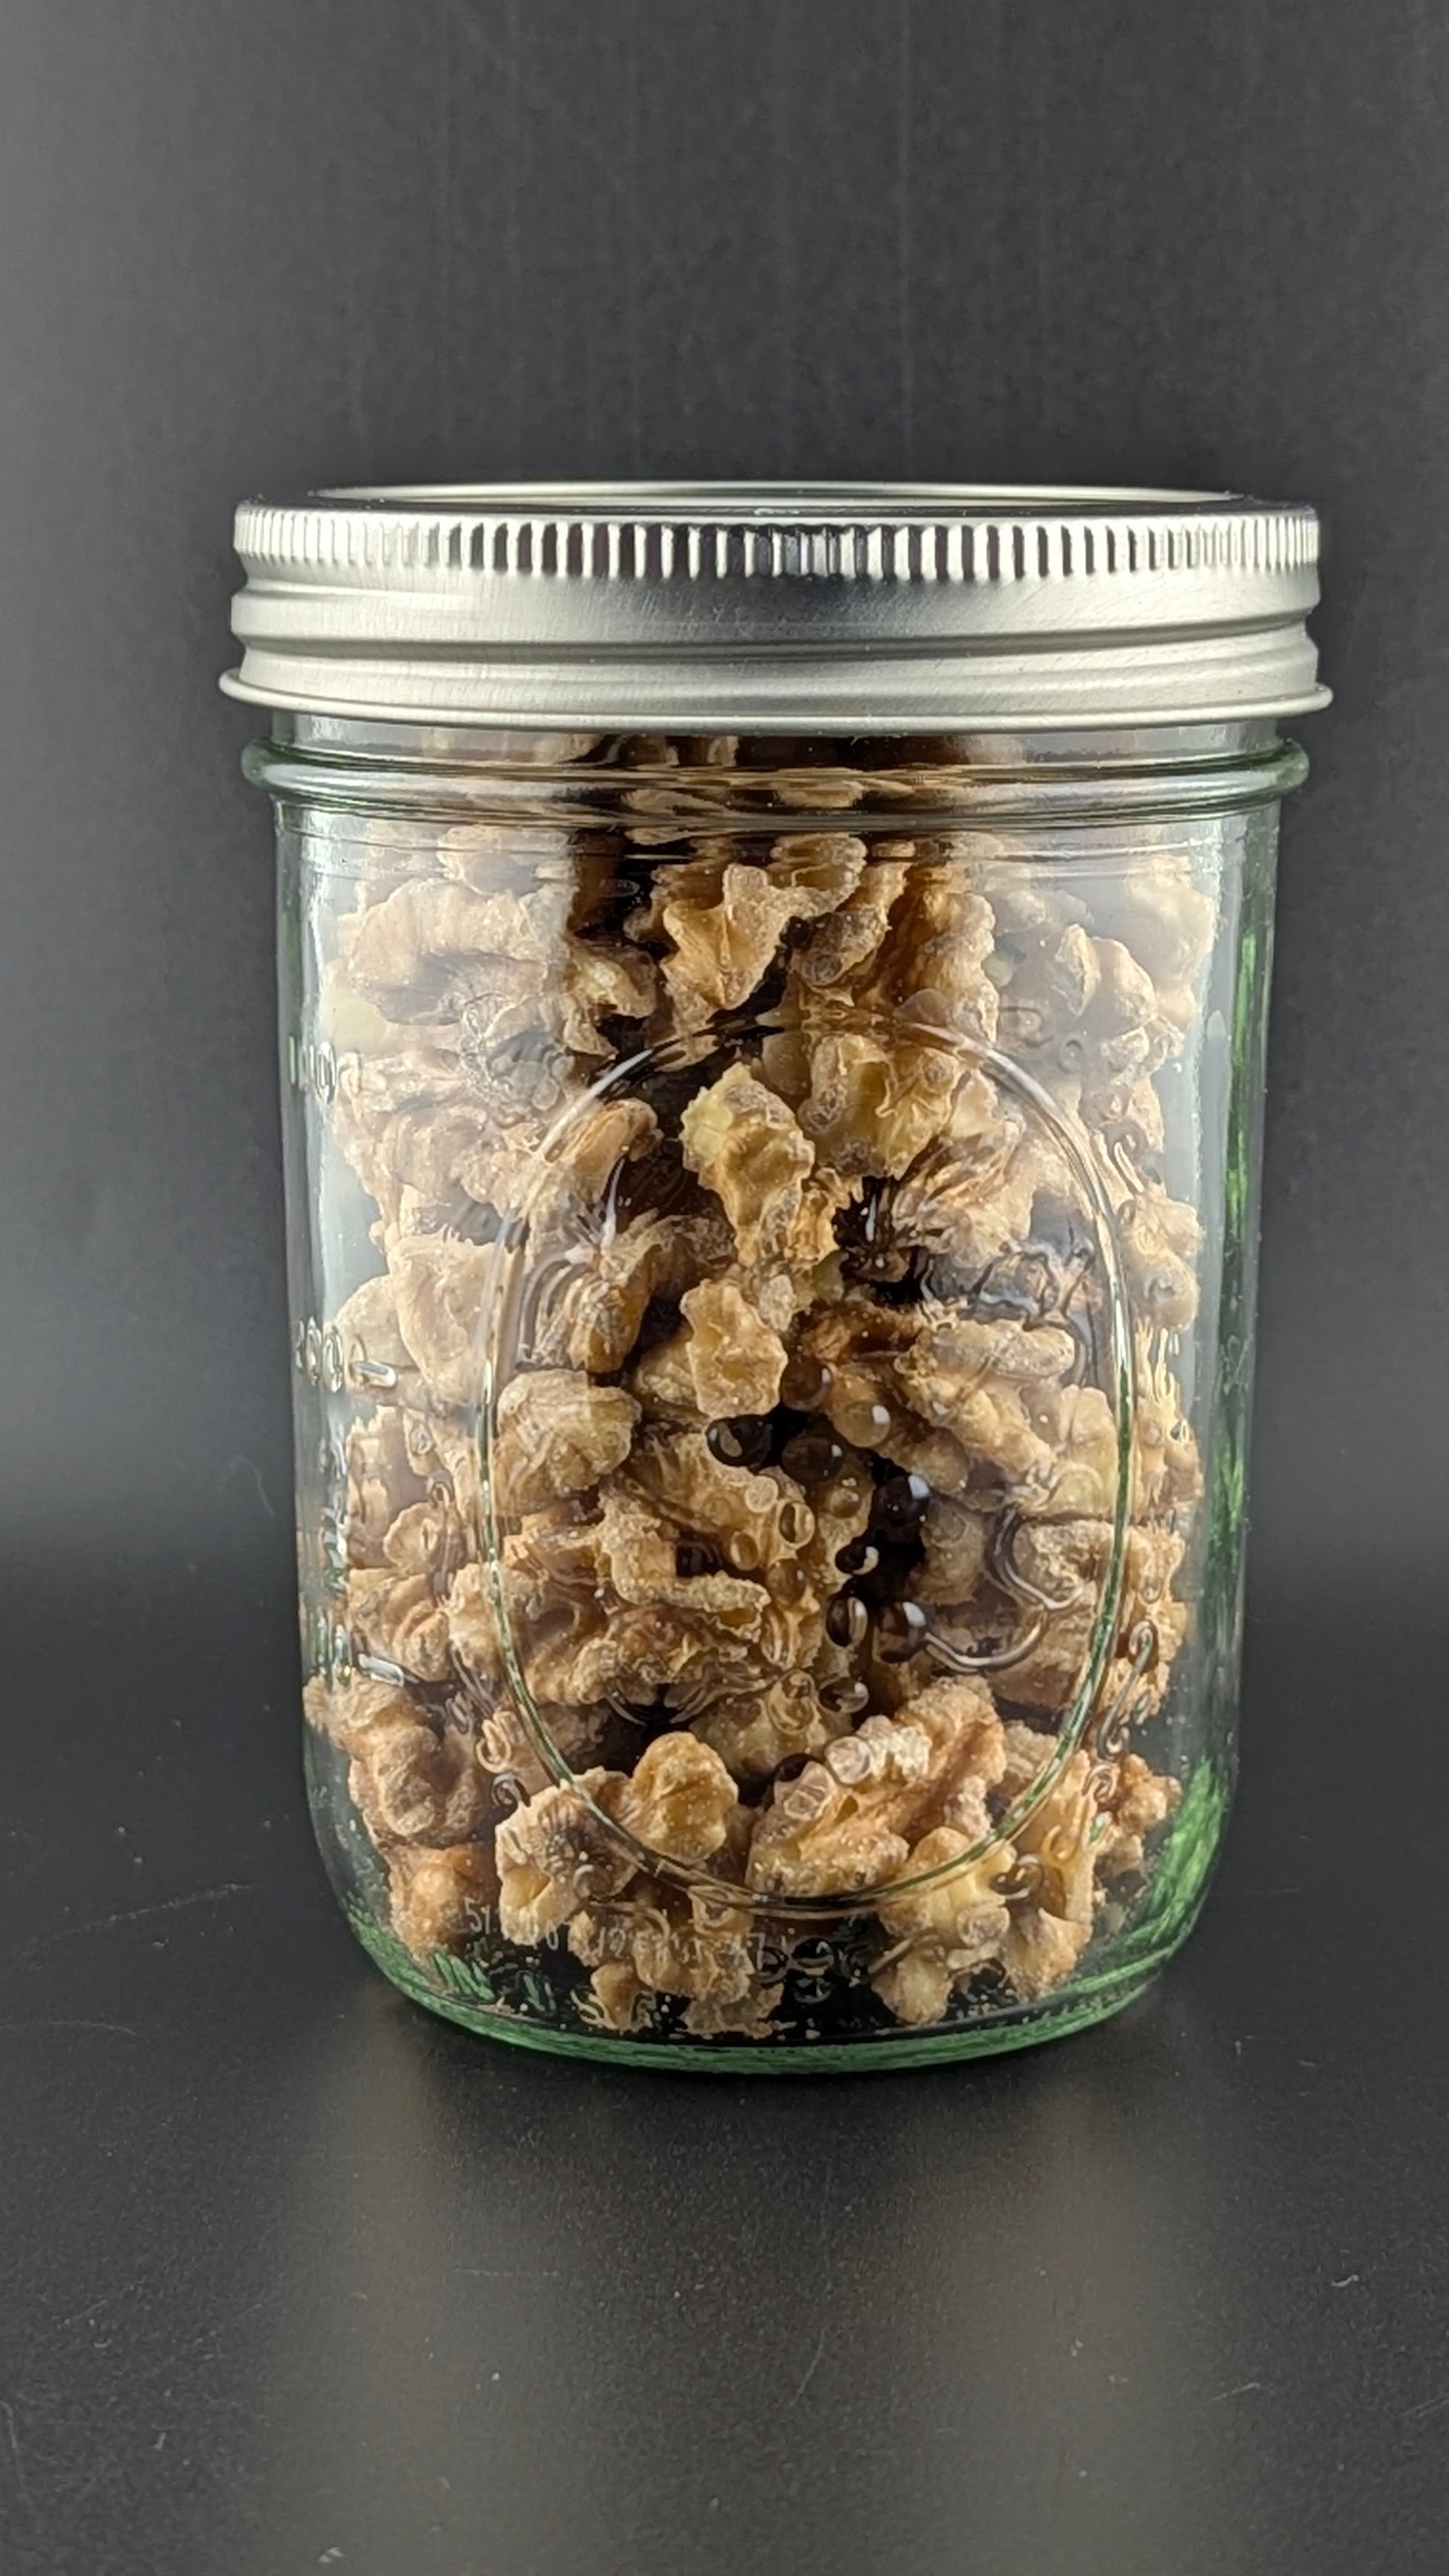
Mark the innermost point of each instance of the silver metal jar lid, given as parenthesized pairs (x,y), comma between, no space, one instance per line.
(777,607)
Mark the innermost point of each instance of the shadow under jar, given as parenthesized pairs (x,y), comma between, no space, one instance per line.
(773,1001)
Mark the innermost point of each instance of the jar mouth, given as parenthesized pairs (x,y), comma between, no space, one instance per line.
(985,782)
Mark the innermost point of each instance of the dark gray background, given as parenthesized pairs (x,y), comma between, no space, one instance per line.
(295,2277)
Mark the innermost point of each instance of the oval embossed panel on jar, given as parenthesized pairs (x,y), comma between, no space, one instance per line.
(790,1405)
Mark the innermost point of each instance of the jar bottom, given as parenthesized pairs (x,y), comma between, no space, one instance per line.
(983,2038)
(1168,1914)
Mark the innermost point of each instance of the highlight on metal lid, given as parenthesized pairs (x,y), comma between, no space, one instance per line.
(777,607)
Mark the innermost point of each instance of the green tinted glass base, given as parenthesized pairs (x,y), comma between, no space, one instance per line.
(1168,1911)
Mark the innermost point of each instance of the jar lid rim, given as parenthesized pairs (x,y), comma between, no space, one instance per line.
(791,502)
(777,606)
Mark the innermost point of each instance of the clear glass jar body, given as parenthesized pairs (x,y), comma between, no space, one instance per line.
(771,1238)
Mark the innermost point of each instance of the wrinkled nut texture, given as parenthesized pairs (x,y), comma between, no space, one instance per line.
(804,1464)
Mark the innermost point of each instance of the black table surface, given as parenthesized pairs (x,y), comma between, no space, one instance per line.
(298,2277)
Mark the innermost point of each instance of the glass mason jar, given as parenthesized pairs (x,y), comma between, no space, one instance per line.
(773,1003)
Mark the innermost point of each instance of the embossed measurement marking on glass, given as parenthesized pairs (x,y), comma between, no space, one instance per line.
(312,1067)
(317,1350)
